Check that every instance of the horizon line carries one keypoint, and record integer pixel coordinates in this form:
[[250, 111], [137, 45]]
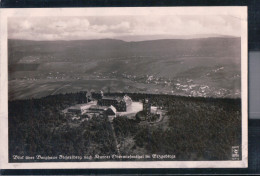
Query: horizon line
[[118, 39]]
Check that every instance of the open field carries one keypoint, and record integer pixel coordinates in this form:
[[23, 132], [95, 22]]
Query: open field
[[208, 67], [25, 89]]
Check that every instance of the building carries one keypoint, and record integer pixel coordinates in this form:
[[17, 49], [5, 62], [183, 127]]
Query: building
[[89, 96], [147, 107], [107, 101], [120, 103], [98, 95], [117, 102], [111, 110], [111, 113], [128, 100], [94, 110], [78, 109], [97, 108]]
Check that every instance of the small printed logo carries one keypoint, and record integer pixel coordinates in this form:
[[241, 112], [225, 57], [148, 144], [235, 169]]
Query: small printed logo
[[235, 152]]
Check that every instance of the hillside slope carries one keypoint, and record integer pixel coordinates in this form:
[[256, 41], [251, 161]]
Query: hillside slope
[[193, 67]]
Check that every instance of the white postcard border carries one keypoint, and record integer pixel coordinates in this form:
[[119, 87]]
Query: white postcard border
[[238, 12]]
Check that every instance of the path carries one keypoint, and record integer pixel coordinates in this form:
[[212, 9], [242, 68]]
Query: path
[[114, 135]]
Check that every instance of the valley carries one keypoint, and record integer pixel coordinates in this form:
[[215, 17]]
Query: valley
[[123, 67]]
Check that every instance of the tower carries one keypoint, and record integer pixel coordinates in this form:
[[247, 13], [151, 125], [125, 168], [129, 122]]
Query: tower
[[147, 108], [89, 96], [101, 94]]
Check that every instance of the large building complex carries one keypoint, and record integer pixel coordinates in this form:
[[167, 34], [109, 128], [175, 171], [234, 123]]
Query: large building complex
[[98, 104], [112, 106], [120, 103]]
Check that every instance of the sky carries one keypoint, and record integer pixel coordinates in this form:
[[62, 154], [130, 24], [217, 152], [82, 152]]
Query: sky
[[118, 27]]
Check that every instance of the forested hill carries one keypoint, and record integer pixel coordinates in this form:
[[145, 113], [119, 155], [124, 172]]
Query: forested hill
[[80, 50], [192, 129]]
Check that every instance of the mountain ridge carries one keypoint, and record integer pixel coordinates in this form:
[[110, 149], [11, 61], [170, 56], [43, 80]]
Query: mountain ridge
[[121, 40], [193, 67]]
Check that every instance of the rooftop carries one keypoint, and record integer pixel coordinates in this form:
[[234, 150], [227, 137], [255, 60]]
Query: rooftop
[[97, 107], [112, 108], [83, 106], [112, 98]]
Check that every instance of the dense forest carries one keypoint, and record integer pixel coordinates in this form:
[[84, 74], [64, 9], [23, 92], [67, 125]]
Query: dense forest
[[193, 128]]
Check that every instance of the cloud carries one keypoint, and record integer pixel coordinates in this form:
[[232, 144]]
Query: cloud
[[74, 28], [122, 27], [25, 25]]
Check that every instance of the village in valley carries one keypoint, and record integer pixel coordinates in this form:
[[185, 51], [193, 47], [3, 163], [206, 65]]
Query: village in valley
[[99, 104]]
